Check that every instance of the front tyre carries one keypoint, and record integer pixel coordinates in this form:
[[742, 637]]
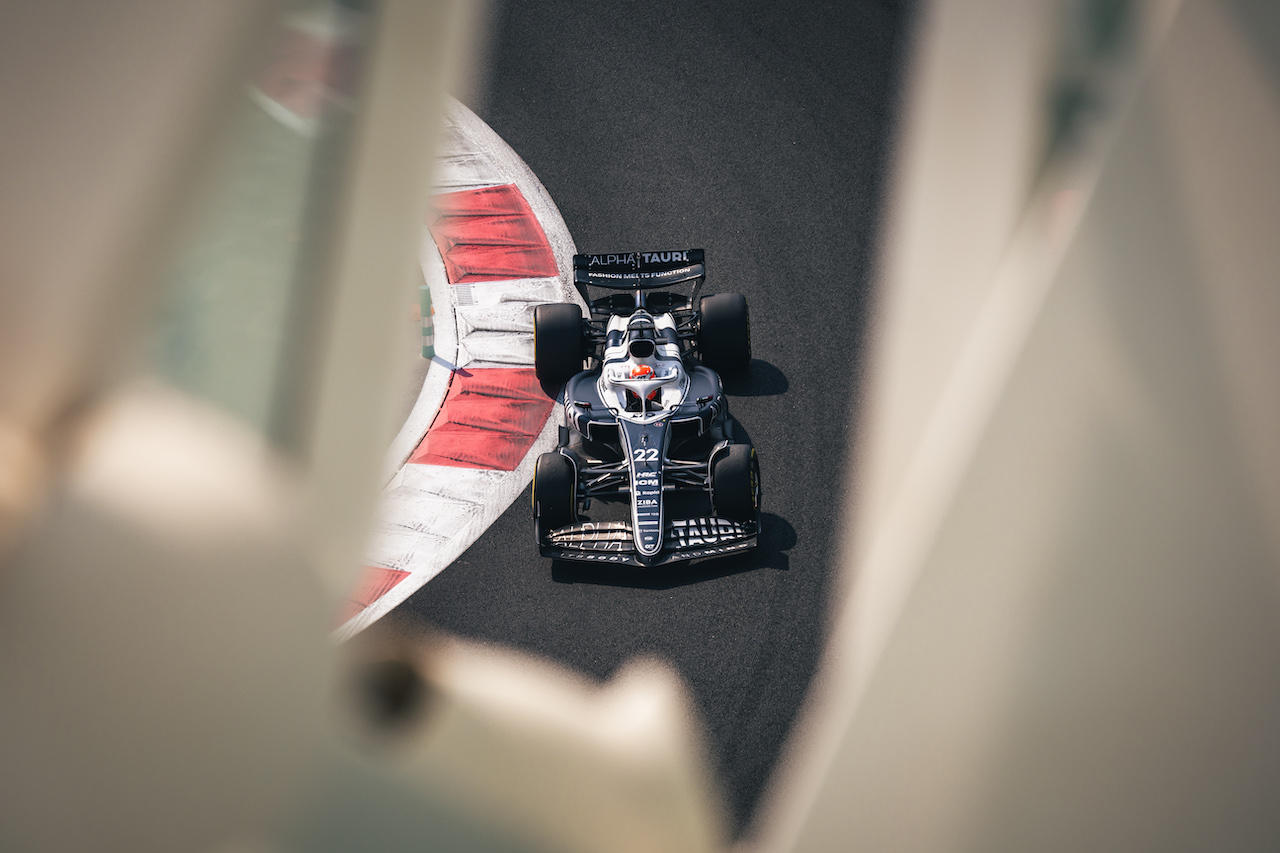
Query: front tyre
[[724, 332], [555, 493], [557, 341], [735, 483]]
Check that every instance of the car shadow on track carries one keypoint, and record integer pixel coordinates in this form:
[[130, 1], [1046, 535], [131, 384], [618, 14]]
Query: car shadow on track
[[777, 536], [760, 379]]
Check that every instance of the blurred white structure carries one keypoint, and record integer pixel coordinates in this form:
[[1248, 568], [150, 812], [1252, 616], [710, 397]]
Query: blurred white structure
[[1062, 598], [168, 573]]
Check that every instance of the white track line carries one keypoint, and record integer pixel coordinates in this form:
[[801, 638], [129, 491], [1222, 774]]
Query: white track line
[[429, 515]]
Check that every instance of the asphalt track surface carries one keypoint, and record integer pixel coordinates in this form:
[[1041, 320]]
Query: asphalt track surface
[[761, 132]]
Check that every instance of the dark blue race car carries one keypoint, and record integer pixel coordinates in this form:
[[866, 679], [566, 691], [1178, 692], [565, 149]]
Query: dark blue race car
[[649, 446]]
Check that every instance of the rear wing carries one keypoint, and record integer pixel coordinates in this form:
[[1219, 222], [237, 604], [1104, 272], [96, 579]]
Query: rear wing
[[637, 270]]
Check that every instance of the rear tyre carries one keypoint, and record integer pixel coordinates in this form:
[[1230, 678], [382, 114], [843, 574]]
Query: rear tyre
[[557, 341], [555, 487], [724, 333], [735, 483]]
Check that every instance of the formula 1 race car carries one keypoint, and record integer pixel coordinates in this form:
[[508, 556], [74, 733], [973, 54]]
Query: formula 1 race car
[[650, 441]]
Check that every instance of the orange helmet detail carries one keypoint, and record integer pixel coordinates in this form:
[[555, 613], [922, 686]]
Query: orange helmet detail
[[641, 371]]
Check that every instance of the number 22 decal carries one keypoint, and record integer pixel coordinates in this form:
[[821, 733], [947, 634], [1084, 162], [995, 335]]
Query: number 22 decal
[[641, 454]]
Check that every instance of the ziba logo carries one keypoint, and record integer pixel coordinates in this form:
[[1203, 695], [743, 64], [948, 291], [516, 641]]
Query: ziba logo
[[664, 257]]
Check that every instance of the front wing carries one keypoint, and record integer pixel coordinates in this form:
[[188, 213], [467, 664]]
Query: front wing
[[685, 539]]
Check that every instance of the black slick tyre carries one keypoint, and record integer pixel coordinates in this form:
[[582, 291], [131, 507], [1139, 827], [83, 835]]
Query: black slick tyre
[[555, 489], [735, 483], [724, 332], [557, 341]]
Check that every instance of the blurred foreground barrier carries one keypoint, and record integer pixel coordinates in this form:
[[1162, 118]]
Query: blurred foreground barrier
[[1061, 602]]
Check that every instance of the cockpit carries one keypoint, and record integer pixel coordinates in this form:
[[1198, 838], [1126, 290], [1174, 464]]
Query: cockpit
[[643, 375]]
